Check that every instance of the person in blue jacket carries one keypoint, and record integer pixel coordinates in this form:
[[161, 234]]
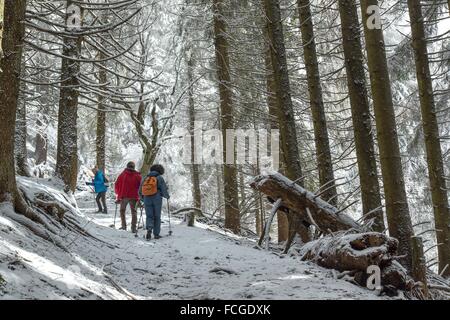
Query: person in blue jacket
[[153, 204], [100, 188]]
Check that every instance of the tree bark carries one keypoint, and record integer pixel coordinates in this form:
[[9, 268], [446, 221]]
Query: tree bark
[[10, 66], [362, 124], [431, 132], [21, 153], [323, 153], [283, 101], [284, 110], [2, 4], [40, 153], [41, 139], [419, 266], [67, 158], [282, 220], [195, 170], [101, 121], [231, 195], [397, 211]]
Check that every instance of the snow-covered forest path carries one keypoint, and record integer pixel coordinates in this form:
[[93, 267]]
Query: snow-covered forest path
[[182, 266], [195, 263]]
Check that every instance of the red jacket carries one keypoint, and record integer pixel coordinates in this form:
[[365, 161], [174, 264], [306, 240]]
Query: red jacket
[[127, 185]]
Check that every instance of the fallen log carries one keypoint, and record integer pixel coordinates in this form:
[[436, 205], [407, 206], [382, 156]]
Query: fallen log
[[309, 206], [355, 252]]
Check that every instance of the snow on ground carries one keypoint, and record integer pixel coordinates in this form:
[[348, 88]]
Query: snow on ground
[[176, 267]]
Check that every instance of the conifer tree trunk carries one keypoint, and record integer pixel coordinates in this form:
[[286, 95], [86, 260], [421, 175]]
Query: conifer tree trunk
[[10, 65], [101, 120], [40, 153], [41, 139], [257, 195], [67, 158], [324, 160], [2, 4], [21, 153], [431, 132], [284, 110], [282, 220], [220, 192], [231, 196], [397, 211], [362, 124], [290, 157], [195, 170], [242, 187]]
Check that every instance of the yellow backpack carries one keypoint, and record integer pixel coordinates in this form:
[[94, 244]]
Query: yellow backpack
[[150, 186]]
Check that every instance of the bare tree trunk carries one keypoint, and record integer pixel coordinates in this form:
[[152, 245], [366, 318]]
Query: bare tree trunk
[[67, 158], [397, 211], [41, 139], [40, 153], [419, 266], [431, 132], [100, 141], [101, 121], [220, 192], [285, 112], [10, 66], [232, 214], [282, 221], [21, 154], [362, 124], [242, 187], [284, 108], [195, 170], [324, 160], [2, 5]]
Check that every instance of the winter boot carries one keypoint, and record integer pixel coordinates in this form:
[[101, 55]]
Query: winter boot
[[157, 237], [149, 235]]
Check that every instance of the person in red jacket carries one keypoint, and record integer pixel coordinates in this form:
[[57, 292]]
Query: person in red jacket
[[127, 192]]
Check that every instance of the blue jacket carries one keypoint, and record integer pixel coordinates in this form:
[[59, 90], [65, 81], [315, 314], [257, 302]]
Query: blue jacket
[[99, 182], [162, 188]]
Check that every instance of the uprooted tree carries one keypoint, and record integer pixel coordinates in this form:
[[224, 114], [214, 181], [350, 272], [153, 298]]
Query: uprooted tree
[[346, 245]]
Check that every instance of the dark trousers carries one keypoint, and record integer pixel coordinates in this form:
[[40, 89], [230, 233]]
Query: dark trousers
[[123, 208], [153, 206], [101, 196]]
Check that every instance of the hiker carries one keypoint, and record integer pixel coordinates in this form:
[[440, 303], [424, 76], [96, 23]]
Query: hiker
[[152, 190], [127, 192], [100, 187]]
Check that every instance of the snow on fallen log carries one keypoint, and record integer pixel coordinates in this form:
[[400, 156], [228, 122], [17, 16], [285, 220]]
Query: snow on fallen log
[[355, 251], [305, 203]]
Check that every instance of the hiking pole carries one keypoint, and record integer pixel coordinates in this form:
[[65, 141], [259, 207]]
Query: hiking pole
[[168, 210], [139, 223], [115, 215]]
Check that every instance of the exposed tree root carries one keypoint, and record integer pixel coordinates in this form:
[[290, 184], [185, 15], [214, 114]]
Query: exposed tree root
[[36, 229], [45, 217]]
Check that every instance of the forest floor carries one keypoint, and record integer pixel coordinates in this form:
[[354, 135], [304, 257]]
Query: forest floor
[[194, 263]]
